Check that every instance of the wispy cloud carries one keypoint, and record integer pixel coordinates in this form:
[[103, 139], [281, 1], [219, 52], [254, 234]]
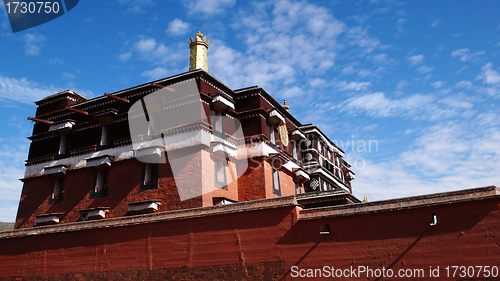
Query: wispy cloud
[[464, 84], [207, 8], [425, 69], [32, 41], [465, 55], [378, 105], [438, 84], [417, 59], [435, 23], [136, 6], [449, 155], [23, 90], [352, 86], [157, 73], [13, 152], [359, 36], [417, 106], [125, 56], [280, 46], [56, 61]]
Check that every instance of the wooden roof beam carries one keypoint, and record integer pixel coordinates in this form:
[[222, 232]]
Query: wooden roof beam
[[118, 98]]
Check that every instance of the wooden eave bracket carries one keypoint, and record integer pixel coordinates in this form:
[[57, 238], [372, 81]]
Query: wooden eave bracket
[[164, 87], [117, 98], [40, 120], [77, 110]]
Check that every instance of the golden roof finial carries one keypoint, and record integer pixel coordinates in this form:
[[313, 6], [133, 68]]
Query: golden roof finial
[[285, 106], [365, 199], [199, 48]]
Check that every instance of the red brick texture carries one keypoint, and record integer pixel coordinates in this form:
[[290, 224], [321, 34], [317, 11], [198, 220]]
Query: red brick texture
[[124, 178]]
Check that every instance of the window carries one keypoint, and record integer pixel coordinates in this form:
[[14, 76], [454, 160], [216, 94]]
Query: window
[[295, 153], [100, 185], [106, 135], [272, 134], [62, 145], [149, 176], [150, 126], [297, 187], [220, 173], [276, 182], [218, 124], [57, 191], [106, 140]]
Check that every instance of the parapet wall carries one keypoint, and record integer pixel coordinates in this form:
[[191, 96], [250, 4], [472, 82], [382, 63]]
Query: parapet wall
[[270, 239]]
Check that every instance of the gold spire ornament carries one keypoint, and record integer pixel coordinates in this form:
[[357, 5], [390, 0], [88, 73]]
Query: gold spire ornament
[[365, 200], [285, 106], [199, 48]]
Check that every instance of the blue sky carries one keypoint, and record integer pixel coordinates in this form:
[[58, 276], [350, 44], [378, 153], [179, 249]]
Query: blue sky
[[421, 79]]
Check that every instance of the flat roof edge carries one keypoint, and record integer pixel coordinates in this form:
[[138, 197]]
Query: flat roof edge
[[451, 197], [255, 205]]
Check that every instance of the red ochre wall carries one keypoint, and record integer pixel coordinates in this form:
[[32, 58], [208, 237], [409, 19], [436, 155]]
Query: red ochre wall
[[262, 245]]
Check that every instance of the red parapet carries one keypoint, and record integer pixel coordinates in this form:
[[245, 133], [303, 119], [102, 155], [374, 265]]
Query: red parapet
[[40, 120], [118, 98]]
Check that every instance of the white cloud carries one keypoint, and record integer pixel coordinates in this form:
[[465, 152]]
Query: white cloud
[[157, 73], [68, 76], [489, 75], [425, 69], [381, 58], [291, 92], [450, 155], [435, 23], [136, 6], [378, 105], [349, 70], [359, 36], [177, 27], [417, 106], [125, 56], [465, 84], [207, 8], [352, 86], [399, 25], [465, 55], [13, 152], [365, 73], [56, 61], [280, 46], [146, 45], [417, 59], [31, 41], [158, 54], [23, 90], [317, 82], [460, 53], [438, 84]]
